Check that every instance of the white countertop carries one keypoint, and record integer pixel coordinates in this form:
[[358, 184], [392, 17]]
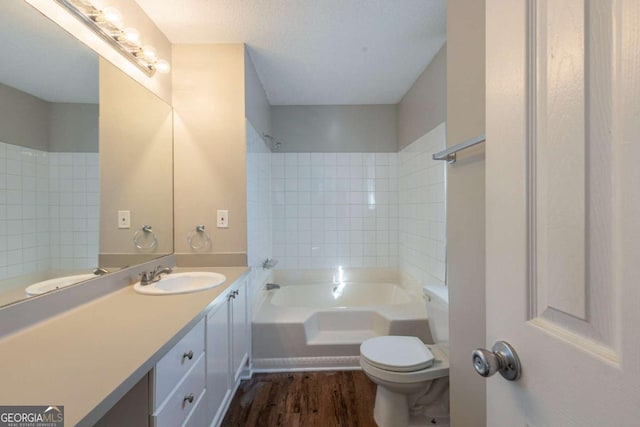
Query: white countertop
[[87, 358]]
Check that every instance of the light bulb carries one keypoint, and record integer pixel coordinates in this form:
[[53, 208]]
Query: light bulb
[[112, 16], [162, 66], [149, 53], [132, 36]]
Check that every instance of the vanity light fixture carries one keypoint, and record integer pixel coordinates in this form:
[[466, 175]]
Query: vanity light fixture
[[107, 22]]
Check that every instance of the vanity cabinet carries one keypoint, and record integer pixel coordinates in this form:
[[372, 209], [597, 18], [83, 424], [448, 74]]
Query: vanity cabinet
[[218, 383], [239, 321], [193, 383], [227, 349], [178, 381]]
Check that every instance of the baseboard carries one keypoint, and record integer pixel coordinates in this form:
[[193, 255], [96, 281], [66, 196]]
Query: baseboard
[[293, 364]]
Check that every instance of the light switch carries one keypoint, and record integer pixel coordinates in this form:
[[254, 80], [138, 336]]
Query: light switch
[[124, 219], [223, 219]]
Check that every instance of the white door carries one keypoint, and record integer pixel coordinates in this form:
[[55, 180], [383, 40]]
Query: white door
[[563, 210]]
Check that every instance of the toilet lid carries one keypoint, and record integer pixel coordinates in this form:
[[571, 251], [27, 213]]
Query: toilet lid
[[397, 353]]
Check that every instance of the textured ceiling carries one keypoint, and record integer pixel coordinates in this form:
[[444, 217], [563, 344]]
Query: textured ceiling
[[317, 52], [41, 59]]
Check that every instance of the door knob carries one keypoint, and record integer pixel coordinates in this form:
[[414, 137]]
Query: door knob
[[502, 358]]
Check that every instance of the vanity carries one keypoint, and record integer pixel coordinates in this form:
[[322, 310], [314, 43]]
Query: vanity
[[192, 349]]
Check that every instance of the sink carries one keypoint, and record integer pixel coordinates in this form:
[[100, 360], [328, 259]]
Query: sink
[[57, 283], [182, 283]]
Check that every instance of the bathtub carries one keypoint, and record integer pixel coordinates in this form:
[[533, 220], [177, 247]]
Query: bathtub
[[321, 326]]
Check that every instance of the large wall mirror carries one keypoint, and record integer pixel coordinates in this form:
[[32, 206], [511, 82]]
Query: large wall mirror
[[79, 142]]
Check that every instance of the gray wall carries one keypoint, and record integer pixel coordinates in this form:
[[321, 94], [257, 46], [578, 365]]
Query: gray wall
[[210, 133], [335, 128], [55, 127], [257, 107], [424, 106], [136, 163], [73, 128], [24, 119], [465, 208]]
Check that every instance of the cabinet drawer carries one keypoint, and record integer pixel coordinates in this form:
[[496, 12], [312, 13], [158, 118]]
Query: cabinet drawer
[[174, 365], [175, 410], [198, 416]]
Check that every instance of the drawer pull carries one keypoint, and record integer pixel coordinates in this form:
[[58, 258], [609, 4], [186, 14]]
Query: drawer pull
[[187, 355], [188, 398]]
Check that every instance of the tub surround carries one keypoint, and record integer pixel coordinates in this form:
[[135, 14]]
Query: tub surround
[[333, 209], [51, 210], [422, 208], [96, 352]]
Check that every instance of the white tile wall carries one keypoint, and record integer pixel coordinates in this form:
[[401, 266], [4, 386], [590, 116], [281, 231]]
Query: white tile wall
[[73, 209], [350, 209], [422, 206], [259, 230], [332, 209], [24, 245], [48, 210]]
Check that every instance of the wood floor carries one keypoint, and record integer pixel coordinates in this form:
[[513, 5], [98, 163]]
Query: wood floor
[[304, 399]]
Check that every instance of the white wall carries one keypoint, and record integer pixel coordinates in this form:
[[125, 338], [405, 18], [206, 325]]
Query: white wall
[[422, 206], [335, 128], [332, 209]]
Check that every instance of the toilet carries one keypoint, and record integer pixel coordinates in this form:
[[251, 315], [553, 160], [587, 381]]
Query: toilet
[[412, 377]]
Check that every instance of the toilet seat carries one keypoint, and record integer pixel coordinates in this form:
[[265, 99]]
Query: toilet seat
[[438, 369], [396, 353]]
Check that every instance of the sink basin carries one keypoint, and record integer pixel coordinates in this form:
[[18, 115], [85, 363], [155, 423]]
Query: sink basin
[[57, 283], [181, 283]]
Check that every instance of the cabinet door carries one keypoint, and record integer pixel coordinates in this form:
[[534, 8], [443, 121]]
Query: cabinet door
[[239, 331], [217, 342]]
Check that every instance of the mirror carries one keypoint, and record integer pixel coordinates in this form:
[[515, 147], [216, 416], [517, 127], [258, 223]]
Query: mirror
[[136, 171], [75, 148]]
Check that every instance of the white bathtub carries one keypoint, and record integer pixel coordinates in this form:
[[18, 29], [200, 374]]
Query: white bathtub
[[317, 326]]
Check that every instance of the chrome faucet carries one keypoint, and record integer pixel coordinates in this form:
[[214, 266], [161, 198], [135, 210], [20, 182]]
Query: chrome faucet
[[149, 277], [100, 271], [269, 263], [162, 270]]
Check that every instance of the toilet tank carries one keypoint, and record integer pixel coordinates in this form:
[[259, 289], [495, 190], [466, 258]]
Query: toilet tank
[[437, 300]]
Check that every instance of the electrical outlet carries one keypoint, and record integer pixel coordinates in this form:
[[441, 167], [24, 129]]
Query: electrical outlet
[[223, 219], [124, 219]]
